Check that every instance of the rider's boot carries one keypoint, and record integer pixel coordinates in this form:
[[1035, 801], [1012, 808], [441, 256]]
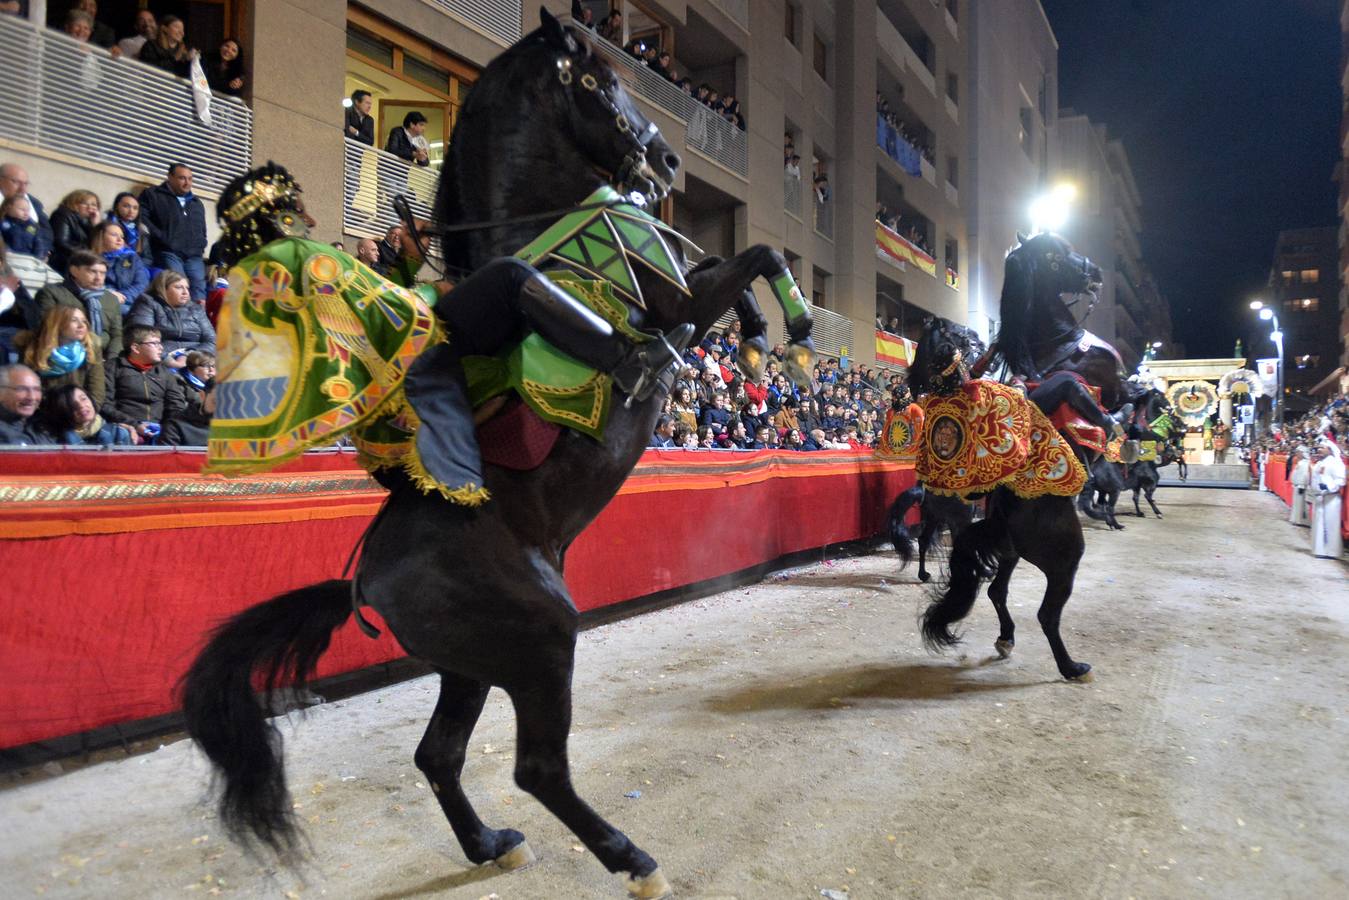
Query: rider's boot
[[1119, 417], [639, 369]]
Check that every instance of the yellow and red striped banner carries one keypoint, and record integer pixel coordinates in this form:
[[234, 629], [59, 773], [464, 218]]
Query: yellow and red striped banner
[[898, 248], [894, 350]]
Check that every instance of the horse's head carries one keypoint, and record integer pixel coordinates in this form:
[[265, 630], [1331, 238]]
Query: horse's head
[[546, 123], [1037, 272], [945, 352]]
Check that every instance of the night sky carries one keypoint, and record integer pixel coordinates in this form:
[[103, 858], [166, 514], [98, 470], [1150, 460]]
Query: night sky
[[1229, 111]]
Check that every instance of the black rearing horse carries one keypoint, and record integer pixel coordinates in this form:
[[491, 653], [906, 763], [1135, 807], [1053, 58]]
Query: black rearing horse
[[1045, 531], [478, 593], [1038, 333]]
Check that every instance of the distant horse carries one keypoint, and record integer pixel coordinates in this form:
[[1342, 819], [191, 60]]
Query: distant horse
[[478, 592], [1045, 531], [1039, 333], [1152, 421]]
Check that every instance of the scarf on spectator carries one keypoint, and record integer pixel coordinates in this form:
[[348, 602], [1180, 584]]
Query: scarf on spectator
[[130, 229], [90, 428], [64, 360], [93, 305], [193, 379], [113, 255]]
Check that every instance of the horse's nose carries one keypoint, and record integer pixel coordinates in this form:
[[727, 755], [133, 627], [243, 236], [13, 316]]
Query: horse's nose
[[671, 160]]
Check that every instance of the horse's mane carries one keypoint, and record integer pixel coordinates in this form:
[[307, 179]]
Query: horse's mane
[[1012, 346], [492, 92]]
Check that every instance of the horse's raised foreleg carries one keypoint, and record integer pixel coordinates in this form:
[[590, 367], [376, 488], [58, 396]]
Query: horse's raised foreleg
[[716, 287], [543, 716], [441, 757], [997, 592]]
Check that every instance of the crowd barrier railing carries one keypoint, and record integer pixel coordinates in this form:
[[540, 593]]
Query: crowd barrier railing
[[120, 563]]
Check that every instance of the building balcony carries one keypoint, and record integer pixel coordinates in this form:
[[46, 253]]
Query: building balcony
[[929, 171], [371, 179], [824, 216], [952, 195], [901, 54], [709, 135], [952, 109], [72, 101], [951, 24]]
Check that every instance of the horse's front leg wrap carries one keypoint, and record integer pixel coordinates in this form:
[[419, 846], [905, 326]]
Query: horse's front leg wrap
[[752, 357], [801, 351]]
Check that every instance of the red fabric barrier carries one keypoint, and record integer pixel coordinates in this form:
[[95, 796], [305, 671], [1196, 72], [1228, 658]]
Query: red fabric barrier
[[1276, 478], [100, 620]]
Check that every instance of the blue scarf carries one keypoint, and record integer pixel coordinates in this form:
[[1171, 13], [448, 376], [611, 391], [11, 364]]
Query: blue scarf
[[192, 379], [93, 307], [131, 230], [64, 360]]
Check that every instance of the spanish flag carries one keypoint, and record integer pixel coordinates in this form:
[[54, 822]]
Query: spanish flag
[[893, 350]]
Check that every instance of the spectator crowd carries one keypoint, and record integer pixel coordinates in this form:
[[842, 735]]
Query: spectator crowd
[[159, 41], [711, 407], [648, 52], [115, 346], [903, 131]]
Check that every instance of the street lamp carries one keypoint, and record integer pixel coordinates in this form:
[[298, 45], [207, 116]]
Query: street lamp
[[1049, 211], [1267, 314]]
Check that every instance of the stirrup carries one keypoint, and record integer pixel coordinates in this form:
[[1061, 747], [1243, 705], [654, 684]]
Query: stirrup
[[657, 362]]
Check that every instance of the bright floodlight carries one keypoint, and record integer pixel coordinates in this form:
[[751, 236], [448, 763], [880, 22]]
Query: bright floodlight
[[1157, 345], [346, 102], [1266, 314], [1256, 304], [1049, 211]]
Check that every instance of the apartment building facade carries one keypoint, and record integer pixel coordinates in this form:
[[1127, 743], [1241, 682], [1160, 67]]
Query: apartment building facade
[[1130, 311], [1304, 290], [1012, 106]]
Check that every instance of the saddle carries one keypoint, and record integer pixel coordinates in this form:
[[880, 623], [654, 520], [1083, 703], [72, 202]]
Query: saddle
[[987, 435]]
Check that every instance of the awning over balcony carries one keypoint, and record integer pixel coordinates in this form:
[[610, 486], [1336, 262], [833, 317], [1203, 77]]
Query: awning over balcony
[[890, 245]]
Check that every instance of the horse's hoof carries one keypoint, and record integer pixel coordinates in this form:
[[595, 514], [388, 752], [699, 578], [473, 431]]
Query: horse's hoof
[[1004, 648], [1081, 673], [924, 577], [652, 886], [518, 857], [1159, 515]]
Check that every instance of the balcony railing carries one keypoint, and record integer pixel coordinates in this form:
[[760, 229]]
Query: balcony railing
[[708, 133], [832, 332], [371, 179], [824, 216], [929, 171], [791, 194], [61, 96], [952, 195]]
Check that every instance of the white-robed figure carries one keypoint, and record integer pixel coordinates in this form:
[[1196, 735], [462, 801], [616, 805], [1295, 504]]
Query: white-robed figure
[[1327, 484], [1263, 457], [1300, 478]]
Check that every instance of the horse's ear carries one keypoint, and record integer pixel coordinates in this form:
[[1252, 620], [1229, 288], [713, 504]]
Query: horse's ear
[[556, 32], [1021, 237]]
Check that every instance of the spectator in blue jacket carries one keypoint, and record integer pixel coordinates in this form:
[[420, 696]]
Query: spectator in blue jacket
[[128, 277], [718, 415], [177, 225], [14, 181], [126, 211], [19, 232]]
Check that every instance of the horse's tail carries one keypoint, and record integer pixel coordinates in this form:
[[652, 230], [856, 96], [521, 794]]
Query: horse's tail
[[278, 641], [897, 530], [974, 558]]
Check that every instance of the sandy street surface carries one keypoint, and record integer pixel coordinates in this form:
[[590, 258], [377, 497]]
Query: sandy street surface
[[795, 736]]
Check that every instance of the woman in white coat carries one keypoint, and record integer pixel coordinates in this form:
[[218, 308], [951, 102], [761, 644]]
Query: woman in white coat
[[1327, 485], [1301, 476]]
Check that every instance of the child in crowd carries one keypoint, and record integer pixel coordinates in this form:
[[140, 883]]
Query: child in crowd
[[20, 234]]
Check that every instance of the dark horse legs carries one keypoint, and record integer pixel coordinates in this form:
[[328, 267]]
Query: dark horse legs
[[441, 757], [1047, 534], [997, 592]]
